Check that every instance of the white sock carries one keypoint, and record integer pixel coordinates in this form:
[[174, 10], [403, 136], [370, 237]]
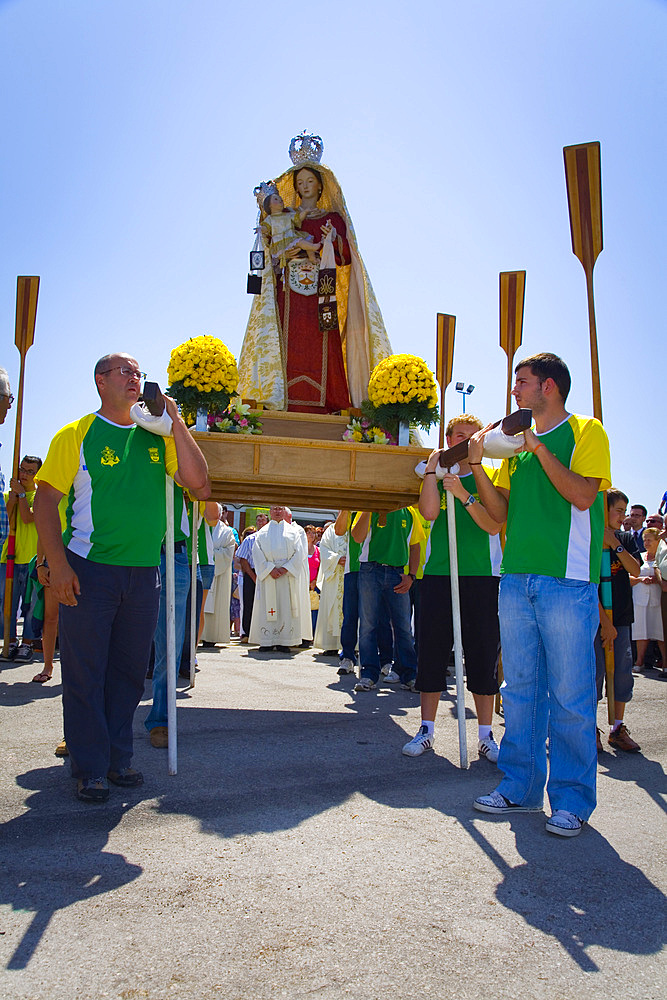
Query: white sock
[[429, 725], [484, 732], [617, 723]]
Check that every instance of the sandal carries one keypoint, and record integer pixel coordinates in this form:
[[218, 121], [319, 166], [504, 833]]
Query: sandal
[[42, 678]]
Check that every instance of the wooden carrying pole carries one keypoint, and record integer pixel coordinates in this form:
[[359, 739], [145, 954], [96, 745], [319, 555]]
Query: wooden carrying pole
[[27, 290], [444, 357], [583, 177], [444, 362], [512, 297]]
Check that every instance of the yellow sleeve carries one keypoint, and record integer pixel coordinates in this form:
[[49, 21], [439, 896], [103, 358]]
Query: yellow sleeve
[[417, 535], [591, 451], [170, 456], [64, 455], [502, 479]]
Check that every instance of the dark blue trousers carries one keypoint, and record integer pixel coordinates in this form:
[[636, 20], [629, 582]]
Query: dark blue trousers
[[350, 626], [105, 643]]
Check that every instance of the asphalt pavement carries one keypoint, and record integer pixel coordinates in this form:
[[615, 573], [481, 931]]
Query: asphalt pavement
[[298, 854]]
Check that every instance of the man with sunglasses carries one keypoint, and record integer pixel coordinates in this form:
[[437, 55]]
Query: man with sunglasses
[[104, 569]]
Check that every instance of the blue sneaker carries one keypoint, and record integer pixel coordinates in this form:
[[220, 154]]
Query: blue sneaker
[[497, 803]]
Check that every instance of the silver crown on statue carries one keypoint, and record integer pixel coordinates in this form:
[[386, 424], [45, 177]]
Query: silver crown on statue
[[263, 190], [306, 148]]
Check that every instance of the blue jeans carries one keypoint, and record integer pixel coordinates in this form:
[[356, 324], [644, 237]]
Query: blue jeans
[[376, 588], [105, 641], [18, 593], [158, 713], [547, 628], [350, 627]]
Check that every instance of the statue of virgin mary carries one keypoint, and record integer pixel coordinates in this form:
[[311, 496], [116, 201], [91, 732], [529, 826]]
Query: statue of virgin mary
[[301, 351]]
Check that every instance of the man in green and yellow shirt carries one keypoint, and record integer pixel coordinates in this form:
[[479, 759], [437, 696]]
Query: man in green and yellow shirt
[[550, 495], [104, 568]]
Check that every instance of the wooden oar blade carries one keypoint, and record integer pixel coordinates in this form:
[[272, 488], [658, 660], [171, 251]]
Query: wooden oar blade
[[512, 296], [27, 290], [583, 177], [444, 349]]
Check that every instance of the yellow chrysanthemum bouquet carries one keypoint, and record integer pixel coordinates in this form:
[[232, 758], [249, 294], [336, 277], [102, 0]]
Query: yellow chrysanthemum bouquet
[[401, 389], [202, 374]]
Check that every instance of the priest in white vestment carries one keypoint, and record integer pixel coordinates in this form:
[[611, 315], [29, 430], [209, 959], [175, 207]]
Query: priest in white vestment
[[278, 555], [330, 584], [216, 606], [304, 585]]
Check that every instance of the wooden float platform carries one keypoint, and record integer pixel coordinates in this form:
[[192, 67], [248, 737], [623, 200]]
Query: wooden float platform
[[318, 471]]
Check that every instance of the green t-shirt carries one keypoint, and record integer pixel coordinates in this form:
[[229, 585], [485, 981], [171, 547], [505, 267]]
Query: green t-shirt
[[205, 556], [114, 478], [390, 543], [546, 534], [181, 522], [478, 553]]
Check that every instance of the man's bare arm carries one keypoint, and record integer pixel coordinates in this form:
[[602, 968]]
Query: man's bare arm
[[578, 490], [340, 524], [493, 499], [360, 529], [192, 471], [63, 580]]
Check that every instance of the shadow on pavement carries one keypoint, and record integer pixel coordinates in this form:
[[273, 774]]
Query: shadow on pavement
[[581, 893], [647, 774], [245, 771], [58, 861]]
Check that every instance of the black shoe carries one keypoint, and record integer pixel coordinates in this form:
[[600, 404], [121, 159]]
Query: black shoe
[[282, 649], [265, 649], [306, 644], [330, 652], [92, 789], [205, 644], [126, 777]]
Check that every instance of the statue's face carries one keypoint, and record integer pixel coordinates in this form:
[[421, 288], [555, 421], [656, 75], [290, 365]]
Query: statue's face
[[307, 184]]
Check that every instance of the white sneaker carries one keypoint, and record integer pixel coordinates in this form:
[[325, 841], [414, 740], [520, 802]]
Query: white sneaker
[[391, 677], [419, 744], [346, 666], [564, 824], [364, 684], [489, 748], [387, 668]]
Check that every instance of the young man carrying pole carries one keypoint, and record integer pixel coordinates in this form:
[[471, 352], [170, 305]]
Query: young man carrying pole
[[548, 605]]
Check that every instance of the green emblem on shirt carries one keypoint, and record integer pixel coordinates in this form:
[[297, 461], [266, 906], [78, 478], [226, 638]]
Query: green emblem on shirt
[[109, 457]]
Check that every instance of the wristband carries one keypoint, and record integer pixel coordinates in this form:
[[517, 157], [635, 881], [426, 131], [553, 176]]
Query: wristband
[[540, 445], [413, 576], [430, 473], [474, 463]]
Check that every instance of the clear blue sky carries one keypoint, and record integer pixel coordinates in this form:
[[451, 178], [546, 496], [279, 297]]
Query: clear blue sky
[[135, 130]]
